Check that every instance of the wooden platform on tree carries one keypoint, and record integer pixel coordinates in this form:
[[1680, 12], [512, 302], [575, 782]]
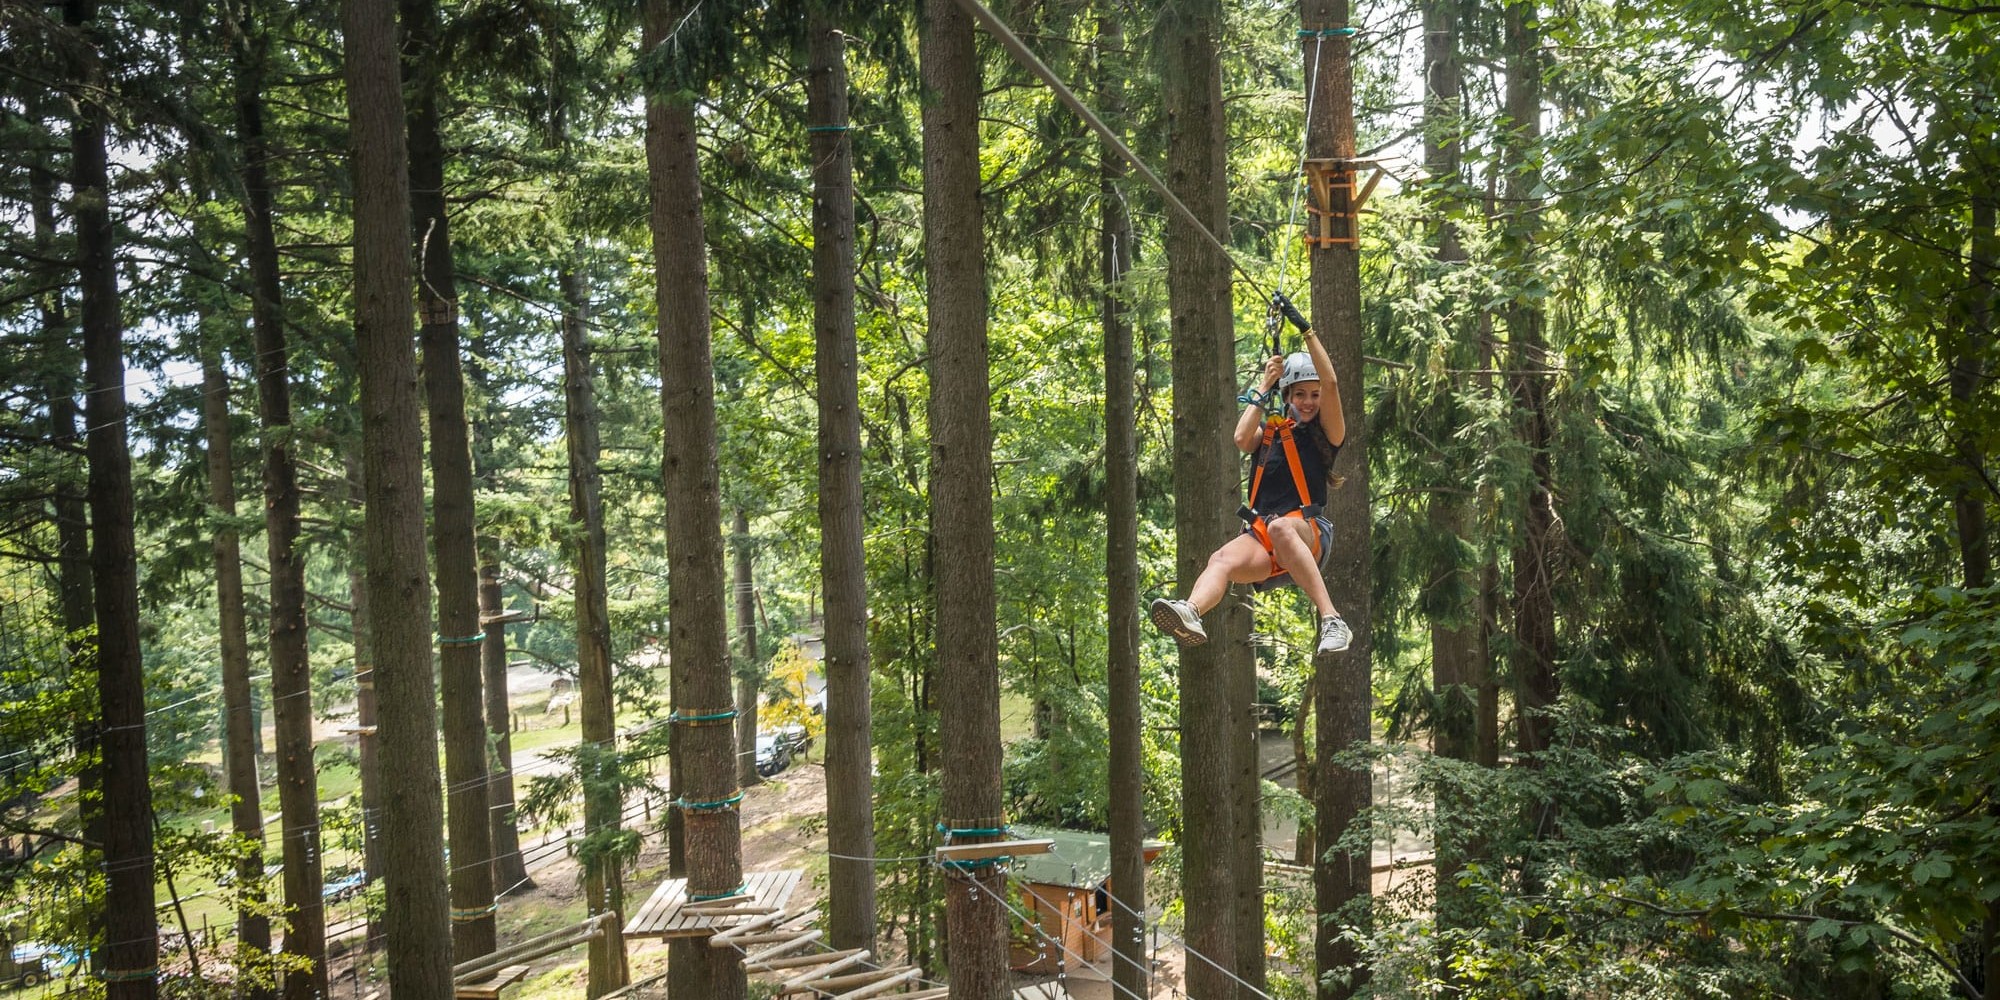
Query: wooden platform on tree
[[490, 987], [665, 914]]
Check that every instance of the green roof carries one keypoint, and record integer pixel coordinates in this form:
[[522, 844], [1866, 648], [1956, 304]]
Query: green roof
[[1080, 860]]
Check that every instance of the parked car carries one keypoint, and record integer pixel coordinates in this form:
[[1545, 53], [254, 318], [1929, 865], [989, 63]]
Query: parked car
[[776, 748], [26, 965], [343, 887]]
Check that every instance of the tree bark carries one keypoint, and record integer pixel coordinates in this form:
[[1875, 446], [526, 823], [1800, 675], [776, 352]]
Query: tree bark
[[246, 813], [850, 793], [747, 673], [1131, 972], [291, 671], [698, 640], [961, 499], [1969, 371], [76, 596], [417, 921], [510, 870], [1341, 794], [131, 928], [603, 808], [1534, 601], [365, 716], [1205, 479], [1453, 605], [456, 575], [1303, 843]]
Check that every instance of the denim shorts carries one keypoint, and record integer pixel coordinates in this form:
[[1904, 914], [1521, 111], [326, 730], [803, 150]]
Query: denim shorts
[[1325, 533]]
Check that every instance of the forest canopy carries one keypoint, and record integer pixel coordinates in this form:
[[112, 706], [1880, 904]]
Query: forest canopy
[[454, 448]]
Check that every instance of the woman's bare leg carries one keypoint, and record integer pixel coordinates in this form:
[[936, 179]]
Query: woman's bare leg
[[1289, 539], [1240, 561]]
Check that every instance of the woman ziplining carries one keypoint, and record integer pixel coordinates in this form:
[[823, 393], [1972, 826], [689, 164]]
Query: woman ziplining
[[1286, 534]]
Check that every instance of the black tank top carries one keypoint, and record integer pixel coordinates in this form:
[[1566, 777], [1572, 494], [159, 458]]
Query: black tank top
[[1277, 495]]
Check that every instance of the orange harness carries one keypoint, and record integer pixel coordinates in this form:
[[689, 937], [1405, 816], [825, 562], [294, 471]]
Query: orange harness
[[1280, 428]]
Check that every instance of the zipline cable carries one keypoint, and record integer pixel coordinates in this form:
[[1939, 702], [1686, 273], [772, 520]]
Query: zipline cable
[[1027, 58]]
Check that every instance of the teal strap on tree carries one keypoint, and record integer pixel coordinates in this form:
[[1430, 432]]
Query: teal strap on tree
[[462, 640], [717, 804], [976, 864], [476, 913], [128, 975], [703, 718], [826, 128], [990, 831], [706, 897], [1341, 32]]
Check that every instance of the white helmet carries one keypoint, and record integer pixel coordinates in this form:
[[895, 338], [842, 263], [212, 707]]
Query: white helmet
[[1298, 368]]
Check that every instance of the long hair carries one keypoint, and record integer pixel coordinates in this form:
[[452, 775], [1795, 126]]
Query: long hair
[[1317, 434]]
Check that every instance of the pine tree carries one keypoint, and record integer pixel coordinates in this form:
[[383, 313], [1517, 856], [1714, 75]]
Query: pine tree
[[850, 798], [699, 641], [417, 923], [131, 928], [246, 814], [748, 673], [1342, 794], [456, 576], [291, 672], [603, 810], [1131, 969], [1204, 485], [968, 696]]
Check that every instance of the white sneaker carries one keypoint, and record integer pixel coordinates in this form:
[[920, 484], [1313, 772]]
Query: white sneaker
[[1178, 619], [1334, 635]]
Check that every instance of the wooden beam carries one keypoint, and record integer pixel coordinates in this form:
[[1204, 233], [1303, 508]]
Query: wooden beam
[[772, 919], [994, 849], [882, 987], [793, 935], [849, 981], [799, 982], [786, 942], [797, 961]]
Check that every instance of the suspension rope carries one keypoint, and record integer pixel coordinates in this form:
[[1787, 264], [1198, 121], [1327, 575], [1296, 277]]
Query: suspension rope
[[1033, 63], [1299, 177]]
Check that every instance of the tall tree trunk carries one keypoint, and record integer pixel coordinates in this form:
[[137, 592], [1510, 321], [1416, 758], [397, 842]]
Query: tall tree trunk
[[698, 643], [456, 574], [1247, 792], [130, 953], [1971, 354], [1304, 841], [1342, 794], [603, 807], [961, 497], [417, 920], [1204, 365], [291, 673], [1131, 972], [365, 717], [76, 597], [1534, 607], [246, 813], [850, 793], [510, 870], [748, 676], [1453, 603], [1969, 371]]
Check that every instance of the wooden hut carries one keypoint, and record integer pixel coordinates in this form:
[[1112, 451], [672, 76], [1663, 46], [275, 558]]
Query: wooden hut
[[1067, 894]]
